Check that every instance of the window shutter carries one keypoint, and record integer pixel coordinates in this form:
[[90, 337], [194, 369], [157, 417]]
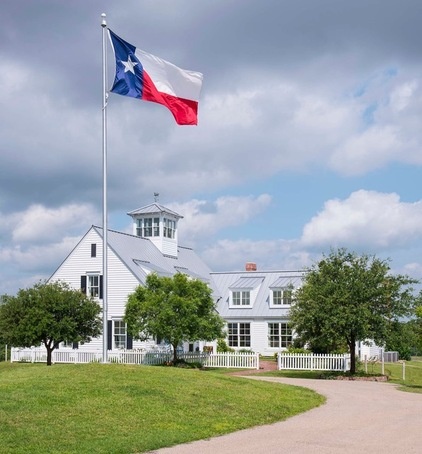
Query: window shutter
[[129, 342], [101, 287], [109, 334], [83, 284]]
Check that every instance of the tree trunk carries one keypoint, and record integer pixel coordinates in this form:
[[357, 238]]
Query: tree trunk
[[174, 354], [352, 349], [49, 355]]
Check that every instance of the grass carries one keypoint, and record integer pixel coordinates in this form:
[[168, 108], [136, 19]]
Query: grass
[[121, 409], [394, 371]]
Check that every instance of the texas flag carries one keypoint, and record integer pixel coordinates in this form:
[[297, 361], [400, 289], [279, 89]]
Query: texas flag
[[147, 77]]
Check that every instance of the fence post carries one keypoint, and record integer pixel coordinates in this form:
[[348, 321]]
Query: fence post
[[382, 363], [404, 370]]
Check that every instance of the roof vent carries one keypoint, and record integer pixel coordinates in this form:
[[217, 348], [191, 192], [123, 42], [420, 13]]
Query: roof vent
[[250, 266]]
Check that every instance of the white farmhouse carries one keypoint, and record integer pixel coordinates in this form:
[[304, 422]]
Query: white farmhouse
[[254, 304]]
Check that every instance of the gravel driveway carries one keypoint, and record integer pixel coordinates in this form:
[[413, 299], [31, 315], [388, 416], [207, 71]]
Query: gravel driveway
[[358, 417]]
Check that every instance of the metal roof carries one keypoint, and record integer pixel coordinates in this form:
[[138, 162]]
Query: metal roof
[[283, 282], [141, 256], [154, 208], [260, 308], [247, 283]]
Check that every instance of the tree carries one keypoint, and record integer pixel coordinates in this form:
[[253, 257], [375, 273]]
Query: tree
[[175, 309], [347, 298], [403, 339], [49, 313]]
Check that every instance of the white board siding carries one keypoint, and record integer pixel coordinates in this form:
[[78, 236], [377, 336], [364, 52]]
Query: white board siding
[[120, 279], [80, 259], [121, 282]]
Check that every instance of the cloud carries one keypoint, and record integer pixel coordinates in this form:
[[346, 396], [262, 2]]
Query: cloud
[[41, 224], [275, 254], [366, 219], [36, 240], [202, 219]]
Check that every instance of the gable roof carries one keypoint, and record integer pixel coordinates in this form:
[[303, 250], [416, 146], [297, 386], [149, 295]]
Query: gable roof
[[263, 282]]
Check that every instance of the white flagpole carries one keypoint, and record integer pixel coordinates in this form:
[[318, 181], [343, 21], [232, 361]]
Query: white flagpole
[[105, 243]]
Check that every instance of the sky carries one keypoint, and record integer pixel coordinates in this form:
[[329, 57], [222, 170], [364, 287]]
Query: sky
[[308, 134]]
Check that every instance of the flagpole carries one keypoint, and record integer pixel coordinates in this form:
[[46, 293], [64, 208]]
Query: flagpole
[[105, 242]]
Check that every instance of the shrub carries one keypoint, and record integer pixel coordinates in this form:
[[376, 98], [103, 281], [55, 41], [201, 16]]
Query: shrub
[[222, 346]]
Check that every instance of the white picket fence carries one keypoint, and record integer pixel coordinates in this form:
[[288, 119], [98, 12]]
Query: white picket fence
[[312, 361], [226, 360]]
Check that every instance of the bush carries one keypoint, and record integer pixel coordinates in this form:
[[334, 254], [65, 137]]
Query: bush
[[184, 364], [222, 346]]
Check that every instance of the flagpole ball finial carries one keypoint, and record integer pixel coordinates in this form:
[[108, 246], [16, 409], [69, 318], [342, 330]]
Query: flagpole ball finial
[[103, 20]]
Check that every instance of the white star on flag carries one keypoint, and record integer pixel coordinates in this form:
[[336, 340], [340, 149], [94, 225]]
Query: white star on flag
[[129, 65]]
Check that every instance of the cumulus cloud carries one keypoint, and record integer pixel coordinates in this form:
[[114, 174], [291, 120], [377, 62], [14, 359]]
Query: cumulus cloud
[[202, 218], [274, 254], [284, 96], [36, 240], [365, 218], [41, 224]]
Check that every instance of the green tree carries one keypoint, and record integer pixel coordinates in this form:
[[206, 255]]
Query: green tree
[[402, 339], [49, 313], [417, 327], [174, 308], [3, 344], [347, 298]]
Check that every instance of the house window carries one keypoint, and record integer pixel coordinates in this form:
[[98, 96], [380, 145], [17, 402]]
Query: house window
[[119, 334], [169, 228], [279, 335], [70, 344], [93, 250], [282, 296], [239, 334], [148, 227], [93, 289], [241, 298]]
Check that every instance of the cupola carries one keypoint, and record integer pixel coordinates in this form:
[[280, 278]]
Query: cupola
[[159, 225]]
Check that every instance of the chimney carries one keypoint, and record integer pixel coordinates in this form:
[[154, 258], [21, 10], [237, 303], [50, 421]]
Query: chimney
[[250, 266]]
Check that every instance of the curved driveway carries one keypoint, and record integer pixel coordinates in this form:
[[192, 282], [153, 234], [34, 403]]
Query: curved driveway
[[358, 417]]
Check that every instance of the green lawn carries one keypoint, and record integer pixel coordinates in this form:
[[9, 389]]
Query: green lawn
[[121, 409], [413, 374], [394, 371]]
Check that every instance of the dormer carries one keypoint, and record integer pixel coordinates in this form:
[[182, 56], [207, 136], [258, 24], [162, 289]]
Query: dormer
[[159, 225]]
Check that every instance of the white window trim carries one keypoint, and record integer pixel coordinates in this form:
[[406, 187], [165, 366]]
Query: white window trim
[[241, 291], [88, 286], [283, 289], [113, 335], [238, 335], [280, 336]]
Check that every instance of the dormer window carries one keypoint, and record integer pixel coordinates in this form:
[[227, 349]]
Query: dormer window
[[244, 291], [241, 298], [281, 296]]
